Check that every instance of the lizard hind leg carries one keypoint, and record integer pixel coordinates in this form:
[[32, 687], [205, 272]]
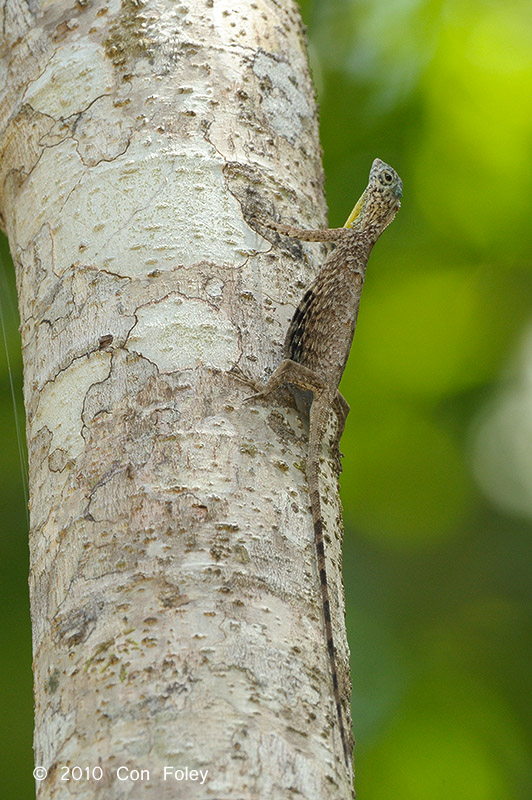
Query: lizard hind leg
[[341, 408], [319, 415], [292, 372]]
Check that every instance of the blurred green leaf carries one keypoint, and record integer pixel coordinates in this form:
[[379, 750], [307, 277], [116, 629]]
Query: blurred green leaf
[[451, 738], [405, 482], [435, 332]]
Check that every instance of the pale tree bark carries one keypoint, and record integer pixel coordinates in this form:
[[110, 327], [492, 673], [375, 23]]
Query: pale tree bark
[[175, 597]]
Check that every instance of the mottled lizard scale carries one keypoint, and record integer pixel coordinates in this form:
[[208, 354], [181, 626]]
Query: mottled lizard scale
[[317, 347], [321, 303]]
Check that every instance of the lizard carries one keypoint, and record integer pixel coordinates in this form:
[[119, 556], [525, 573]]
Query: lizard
[[318, 342]]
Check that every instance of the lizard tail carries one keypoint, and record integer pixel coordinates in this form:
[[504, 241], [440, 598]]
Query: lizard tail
[[315, 504]]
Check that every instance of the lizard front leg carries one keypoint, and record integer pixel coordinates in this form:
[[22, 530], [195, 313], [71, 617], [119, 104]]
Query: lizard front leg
[[312, 235]]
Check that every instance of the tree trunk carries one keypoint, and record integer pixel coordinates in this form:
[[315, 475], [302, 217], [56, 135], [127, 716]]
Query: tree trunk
[[174, 590]]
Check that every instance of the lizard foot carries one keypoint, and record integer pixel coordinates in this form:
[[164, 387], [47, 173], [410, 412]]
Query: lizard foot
[[257, 396], [237, 373]]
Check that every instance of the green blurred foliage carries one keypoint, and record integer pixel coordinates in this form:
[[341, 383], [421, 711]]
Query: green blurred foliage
[[16, 757], [437, 565]]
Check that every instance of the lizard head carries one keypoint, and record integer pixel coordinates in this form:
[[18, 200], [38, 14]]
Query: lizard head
[[379, 203]]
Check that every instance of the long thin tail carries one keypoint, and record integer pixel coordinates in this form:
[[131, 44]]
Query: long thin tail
[[316, 426]]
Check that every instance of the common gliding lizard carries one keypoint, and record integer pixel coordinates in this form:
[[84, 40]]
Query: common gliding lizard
[[319, 339]]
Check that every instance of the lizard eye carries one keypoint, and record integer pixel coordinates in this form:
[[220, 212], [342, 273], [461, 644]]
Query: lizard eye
[[387, 177]]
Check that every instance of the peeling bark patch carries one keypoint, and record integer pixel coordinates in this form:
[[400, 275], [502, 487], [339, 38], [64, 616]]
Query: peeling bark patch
[[21, 146], [284, 103], [60, 170], [103, 134], [65, 418], [111, 500], [179, 333], [75, 71]]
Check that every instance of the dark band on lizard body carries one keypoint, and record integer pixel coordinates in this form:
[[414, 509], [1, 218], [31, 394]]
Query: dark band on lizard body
[[318, 342]]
